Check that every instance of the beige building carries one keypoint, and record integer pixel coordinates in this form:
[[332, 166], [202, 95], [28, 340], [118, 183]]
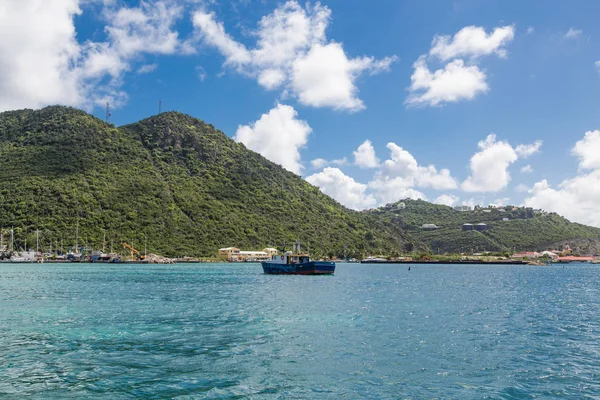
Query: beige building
[[229, 253], [233, 254]]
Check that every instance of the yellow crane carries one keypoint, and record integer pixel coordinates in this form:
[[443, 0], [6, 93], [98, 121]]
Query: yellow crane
[[139, 255]]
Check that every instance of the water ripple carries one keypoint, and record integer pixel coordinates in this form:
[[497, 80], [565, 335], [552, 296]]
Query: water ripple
[[228, 331]]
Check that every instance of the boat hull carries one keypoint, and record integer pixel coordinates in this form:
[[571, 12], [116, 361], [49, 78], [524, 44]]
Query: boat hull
[[310, 268]]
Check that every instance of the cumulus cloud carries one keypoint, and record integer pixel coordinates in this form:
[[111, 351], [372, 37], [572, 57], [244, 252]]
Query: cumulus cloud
[[576, 198], [472, 41], [572, 33], [588, 150], [343, 188], [278, 135], [530, 30], [43, 63], [525, 150], [36, 56], [390, 190], [447, 200], [399, 176], [293, 54], [402, 165], [455, 82], [526, 169], [365, 156], [489, 166]]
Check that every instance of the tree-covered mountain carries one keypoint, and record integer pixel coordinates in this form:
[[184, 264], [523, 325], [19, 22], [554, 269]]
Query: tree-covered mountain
[[171, 181], [185, 188], [510, 228]]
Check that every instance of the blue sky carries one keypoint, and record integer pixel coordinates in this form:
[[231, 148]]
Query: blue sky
[[457, 102]]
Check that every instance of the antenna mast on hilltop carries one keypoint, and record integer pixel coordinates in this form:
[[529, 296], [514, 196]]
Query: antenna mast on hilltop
[[108, 114]]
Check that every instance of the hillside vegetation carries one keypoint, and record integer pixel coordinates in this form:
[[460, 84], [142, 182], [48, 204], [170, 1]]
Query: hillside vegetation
[[170, 181], [525, 229]]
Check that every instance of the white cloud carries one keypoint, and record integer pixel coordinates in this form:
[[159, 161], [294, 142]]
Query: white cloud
[[324, 77], [292, 53], [365, 156], [597, 64], [400, 175], [278, 136], [36, 54], [455, 82], [402, 165], [472, 41], [319, 163], [572, 33], [447, 200], [588, 150], [576, 198], [489, 166], [43, 63], [390, 190], [530, 30], [526, 169], [213, 33], [147, 68], [525, 150], [343, 188]]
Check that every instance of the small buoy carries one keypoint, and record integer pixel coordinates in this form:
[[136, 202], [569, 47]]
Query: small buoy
[[409, 267]]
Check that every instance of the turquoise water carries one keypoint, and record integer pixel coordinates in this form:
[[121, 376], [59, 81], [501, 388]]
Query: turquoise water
[[369, 331]]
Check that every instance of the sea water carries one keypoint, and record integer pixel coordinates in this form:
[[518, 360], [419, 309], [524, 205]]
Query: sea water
[[188, 331]]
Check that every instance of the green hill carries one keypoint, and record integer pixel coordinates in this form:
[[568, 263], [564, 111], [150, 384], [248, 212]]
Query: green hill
[[524, 229], [172, 181]]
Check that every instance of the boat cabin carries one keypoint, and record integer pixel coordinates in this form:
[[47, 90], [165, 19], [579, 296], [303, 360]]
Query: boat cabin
[[290, 258]]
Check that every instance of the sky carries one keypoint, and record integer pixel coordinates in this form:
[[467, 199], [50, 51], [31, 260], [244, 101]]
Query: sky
[[456, 102]]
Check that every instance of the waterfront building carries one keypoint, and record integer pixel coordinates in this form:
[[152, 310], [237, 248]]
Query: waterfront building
[[253, 256], [229, 253], [271, 251]]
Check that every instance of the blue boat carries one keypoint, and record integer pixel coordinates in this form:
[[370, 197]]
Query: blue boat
[[297, 264]]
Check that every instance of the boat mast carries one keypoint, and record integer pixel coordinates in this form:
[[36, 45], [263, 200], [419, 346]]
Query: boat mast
[[37, 241], [77, 237]]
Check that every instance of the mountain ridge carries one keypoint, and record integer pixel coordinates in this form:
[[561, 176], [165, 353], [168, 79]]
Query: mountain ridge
[[171, 180], [183, 187]]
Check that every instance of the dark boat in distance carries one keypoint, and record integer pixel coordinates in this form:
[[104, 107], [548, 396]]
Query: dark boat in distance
[[296, 264]]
